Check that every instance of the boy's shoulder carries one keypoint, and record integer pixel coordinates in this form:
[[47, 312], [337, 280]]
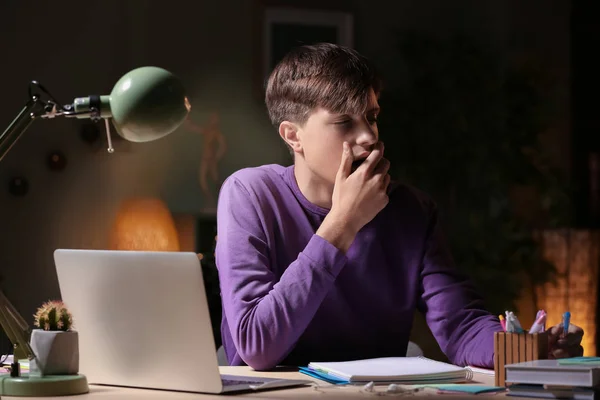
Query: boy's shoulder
[[414, 207], [254, 179], [403, 192]]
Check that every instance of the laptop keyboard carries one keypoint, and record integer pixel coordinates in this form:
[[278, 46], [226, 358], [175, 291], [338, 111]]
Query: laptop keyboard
[[231, 382]]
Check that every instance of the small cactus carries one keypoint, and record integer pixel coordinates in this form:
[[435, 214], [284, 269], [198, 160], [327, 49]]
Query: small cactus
[[53, 316]]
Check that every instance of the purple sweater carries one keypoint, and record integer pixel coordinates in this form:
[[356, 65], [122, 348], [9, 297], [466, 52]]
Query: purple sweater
[[290, 297]]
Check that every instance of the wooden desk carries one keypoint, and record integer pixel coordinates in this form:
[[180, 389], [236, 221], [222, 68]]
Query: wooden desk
[[329, 391]]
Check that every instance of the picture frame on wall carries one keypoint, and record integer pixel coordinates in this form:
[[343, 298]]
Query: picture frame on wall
[[286, 27]]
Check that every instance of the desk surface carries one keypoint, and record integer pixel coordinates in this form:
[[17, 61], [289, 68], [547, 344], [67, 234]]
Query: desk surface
[[328, 391]]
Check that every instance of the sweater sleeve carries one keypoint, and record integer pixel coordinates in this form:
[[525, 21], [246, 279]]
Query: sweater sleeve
[[266, 315], [453, 309]]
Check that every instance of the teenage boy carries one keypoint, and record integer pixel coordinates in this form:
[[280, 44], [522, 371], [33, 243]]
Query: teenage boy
[[328, 259]]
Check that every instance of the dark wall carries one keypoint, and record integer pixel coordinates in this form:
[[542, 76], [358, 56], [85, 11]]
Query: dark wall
[[585, 78]]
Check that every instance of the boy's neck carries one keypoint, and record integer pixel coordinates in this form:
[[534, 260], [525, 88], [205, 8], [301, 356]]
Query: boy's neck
[[314, 188]]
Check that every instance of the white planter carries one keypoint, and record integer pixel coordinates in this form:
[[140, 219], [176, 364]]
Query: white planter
[[57, 352]]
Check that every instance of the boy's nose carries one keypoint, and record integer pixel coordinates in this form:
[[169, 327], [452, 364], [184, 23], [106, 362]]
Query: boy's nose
[[367, 138]]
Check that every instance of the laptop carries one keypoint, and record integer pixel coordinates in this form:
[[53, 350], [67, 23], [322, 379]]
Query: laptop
[[142, 319]]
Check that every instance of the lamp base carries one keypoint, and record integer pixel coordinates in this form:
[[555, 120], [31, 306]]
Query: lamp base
[[43, 386]]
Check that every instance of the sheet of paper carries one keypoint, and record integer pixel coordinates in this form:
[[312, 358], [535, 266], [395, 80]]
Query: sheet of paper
[[484, 371]]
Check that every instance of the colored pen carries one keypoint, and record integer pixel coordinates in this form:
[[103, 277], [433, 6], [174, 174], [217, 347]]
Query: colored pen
[[539, 323], [508, 325], [512, 323], [502, 322], [566, 322]]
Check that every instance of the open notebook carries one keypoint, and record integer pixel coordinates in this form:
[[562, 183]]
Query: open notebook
[[404, 370]]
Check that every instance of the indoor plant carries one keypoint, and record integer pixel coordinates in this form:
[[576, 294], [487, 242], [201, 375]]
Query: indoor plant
[[54, 342]]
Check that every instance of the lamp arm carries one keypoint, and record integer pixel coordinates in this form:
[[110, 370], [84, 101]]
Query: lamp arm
[[19, 125], [16, 328], [91, 107]]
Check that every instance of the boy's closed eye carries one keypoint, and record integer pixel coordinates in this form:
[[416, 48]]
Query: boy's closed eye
[[348, 122], [344, 120]]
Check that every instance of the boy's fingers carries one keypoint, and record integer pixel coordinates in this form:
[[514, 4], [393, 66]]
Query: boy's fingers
[[373, 159], [346, 162], [383, 166], [386, 182]]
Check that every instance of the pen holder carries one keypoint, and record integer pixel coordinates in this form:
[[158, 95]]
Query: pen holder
[[510, 348]]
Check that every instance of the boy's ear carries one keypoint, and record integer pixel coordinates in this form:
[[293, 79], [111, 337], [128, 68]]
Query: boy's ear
[[289, 133]]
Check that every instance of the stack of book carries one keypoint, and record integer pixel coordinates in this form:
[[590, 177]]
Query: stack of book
[[570, 378]]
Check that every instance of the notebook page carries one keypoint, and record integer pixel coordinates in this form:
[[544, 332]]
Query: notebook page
[[415, 367]]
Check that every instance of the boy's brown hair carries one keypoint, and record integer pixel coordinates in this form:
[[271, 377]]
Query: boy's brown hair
[[325, 75]]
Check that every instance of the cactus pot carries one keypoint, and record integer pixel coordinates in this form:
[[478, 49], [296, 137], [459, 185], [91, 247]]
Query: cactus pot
[[57, 352]]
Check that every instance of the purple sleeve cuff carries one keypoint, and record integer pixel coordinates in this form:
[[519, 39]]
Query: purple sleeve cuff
[[319, 252]]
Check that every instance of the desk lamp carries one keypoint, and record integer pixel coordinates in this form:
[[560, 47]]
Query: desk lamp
[[146, 104]]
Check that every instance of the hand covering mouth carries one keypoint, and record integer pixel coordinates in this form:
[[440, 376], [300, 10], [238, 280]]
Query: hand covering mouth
[[357, 163]]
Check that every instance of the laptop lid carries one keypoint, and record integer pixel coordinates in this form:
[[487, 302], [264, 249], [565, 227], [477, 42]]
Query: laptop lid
[[142, 318]]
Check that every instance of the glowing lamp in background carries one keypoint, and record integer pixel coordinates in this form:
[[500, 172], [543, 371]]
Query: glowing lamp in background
[[144, 224]]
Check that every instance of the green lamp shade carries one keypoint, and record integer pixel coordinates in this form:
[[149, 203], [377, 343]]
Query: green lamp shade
[[146, 104]]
